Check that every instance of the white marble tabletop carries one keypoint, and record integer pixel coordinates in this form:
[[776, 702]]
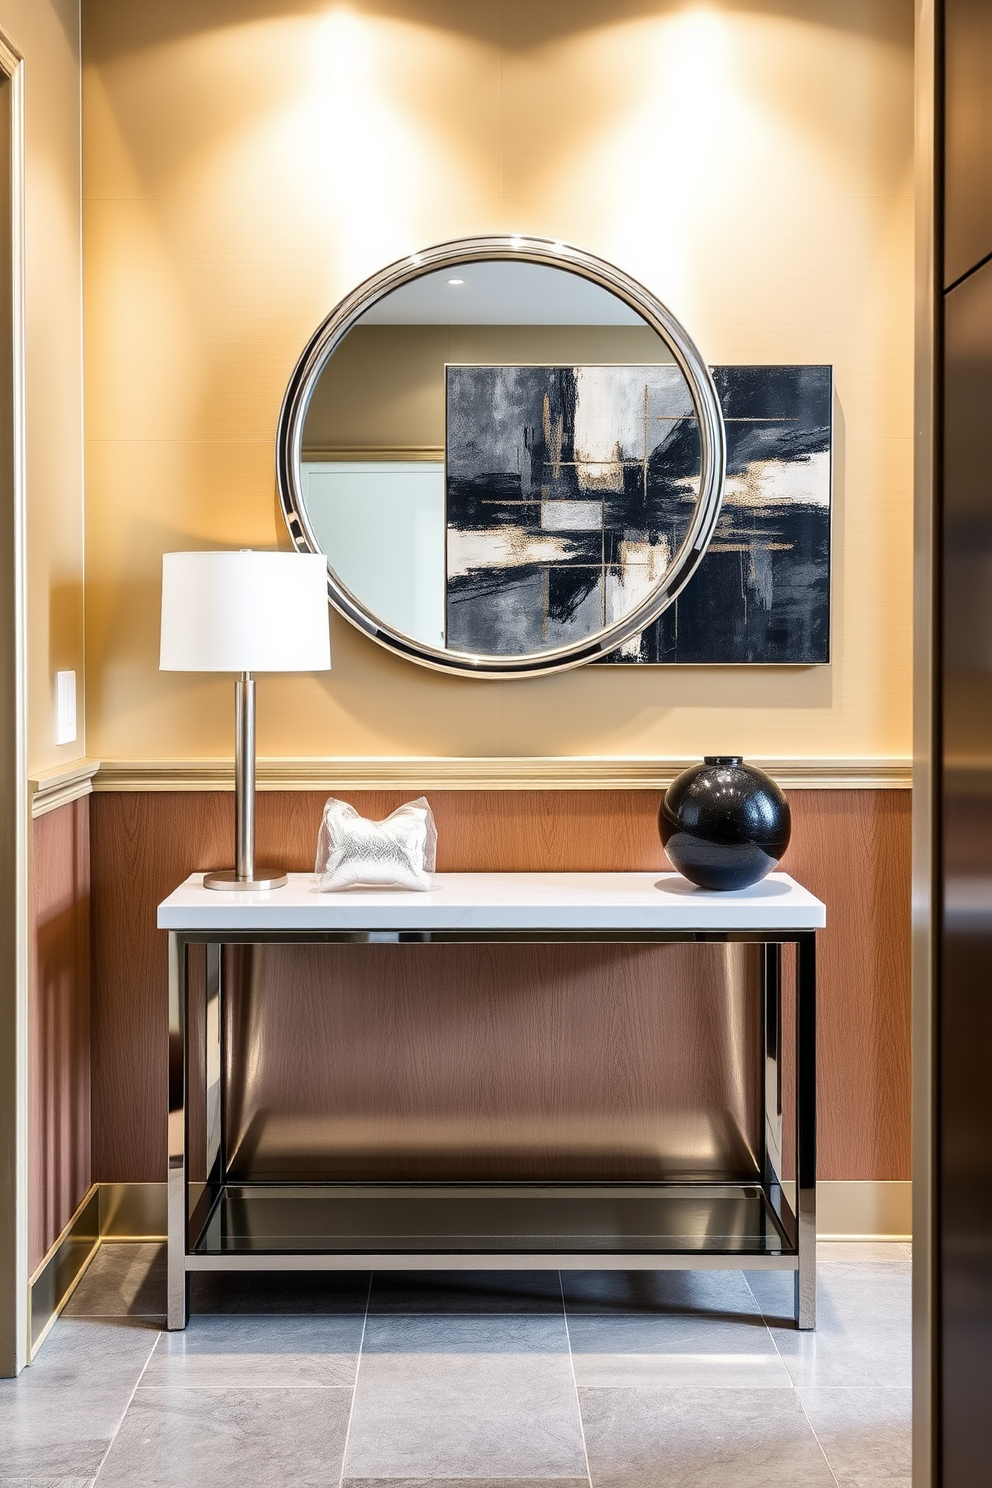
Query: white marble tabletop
[[500, 901]]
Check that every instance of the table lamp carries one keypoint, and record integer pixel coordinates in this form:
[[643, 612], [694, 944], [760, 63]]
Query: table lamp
[[244, 612]]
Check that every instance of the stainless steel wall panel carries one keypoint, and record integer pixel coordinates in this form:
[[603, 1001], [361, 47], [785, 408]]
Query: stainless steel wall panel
[[498, 1063], [964, 1189], [968, 130]]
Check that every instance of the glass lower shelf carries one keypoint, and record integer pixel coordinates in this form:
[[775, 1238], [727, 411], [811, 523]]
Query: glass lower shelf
[[273, 1219]]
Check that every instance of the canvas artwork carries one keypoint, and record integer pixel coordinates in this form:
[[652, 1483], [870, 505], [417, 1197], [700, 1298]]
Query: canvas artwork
[[568, 489]]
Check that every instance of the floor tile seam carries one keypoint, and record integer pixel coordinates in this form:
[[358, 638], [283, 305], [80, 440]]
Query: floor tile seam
[[261, 1317], [823, 1451], [687, 1319], [575, 1383], [111, 1317], [201, 1321], [193, 1385], [700, 1388], [877, 1265], [130, 1400], [768, 1329], [354, 1383], [376, 1316], [860, 1386]]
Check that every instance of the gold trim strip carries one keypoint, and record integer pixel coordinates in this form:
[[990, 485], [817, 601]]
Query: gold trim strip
[[483, 773], [56, 1245], [862, 1209], [50, 789], [63, 1268], [133, 1211]]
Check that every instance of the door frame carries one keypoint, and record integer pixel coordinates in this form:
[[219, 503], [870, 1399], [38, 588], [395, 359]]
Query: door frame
[[14, 799], [926, 756]]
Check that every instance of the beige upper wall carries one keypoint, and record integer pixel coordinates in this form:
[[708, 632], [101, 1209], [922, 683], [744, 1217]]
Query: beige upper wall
[[247, 161], [46, 33]]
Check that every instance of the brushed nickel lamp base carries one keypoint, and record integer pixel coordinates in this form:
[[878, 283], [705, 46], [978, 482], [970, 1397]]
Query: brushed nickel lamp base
[[228, 880]]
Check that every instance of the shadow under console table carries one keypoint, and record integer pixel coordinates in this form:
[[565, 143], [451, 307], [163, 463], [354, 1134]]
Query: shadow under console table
[[222, 1224]]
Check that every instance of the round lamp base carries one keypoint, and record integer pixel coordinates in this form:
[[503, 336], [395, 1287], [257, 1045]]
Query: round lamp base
[[229, 882]]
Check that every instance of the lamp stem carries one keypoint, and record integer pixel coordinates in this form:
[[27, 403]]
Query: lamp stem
[[244, 778], [244, 877]]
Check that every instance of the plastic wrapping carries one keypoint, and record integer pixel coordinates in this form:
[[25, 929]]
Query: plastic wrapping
[[398, 852]]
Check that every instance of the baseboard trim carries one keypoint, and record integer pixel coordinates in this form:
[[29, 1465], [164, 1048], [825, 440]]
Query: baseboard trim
[[871, 1211], [55, 1280], [875, 1210], [109, 1212], [133, 1211]]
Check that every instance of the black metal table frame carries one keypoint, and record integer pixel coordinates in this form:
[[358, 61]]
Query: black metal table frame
[[190, 1205]]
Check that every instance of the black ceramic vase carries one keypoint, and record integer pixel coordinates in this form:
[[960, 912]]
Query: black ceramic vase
[[724, 824]]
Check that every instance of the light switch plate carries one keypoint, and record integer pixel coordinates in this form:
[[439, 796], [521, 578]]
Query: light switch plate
[[65, 707]]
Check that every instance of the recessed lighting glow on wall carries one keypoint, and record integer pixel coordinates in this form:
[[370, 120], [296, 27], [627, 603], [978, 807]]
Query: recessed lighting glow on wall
[[356, 141], [456, 281], [705, 114]]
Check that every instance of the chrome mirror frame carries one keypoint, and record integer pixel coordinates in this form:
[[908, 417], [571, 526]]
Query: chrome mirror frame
[[709, 417]]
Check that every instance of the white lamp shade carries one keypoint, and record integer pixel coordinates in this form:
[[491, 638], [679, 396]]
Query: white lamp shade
[[244, 612]]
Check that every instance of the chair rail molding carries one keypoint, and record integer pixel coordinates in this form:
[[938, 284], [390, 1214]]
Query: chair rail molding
[[53, 788], [494, 772]]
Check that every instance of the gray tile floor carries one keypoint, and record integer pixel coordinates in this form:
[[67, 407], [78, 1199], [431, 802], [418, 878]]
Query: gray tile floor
[[521, 1380]]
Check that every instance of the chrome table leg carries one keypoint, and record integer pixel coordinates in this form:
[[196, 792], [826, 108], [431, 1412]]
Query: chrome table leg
[[806, 1129], [177, 1306], [214, 1107], [772, 1067]]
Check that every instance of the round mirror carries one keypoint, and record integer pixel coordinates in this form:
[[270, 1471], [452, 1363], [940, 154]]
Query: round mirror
[[510, 453]]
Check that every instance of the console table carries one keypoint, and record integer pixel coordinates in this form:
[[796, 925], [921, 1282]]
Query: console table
[[220, 1224]]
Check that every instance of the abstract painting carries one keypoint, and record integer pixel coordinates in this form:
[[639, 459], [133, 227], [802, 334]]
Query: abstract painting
[[569, 488], [564, 497]]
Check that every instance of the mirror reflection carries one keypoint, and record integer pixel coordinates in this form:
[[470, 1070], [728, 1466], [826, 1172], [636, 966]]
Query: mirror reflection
[[500, 458]]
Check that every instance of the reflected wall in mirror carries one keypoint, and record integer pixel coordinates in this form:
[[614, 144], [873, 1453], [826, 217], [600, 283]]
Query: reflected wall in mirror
[[511, 465]]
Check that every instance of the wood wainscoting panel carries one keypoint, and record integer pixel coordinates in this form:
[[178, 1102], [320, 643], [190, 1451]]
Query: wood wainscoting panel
[[58, 1025], [850, 847]]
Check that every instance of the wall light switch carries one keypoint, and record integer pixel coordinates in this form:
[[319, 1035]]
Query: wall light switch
[[65, 707]]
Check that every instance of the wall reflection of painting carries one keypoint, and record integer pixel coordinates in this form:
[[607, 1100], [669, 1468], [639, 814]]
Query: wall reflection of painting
[[569, 487]]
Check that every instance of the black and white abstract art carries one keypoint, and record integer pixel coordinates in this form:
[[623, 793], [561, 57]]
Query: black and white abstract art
[[568, 489]]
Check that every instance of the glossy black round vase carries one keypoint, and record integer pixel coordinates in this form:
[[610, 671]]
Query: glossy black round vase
[[724, 824]]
